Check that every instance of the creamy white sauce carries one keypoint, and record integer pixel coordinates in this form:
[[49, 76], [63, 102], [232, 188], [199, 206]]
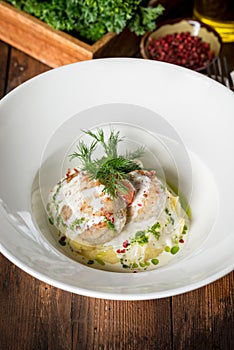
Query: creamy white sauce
[[136, 246]]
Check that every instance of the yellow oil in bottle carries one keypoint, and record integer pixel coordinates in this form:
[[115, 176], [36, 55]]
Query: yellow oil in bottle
[[218, 14], [224, 28]]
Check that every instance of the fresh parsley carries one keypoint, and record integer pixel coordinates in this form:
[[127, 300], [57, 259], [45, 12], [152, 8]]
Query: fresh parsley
[[91, 19]]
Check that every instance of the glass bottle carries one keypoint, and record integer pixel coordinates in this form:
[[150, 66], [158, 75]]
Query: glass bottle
[[219, 14]]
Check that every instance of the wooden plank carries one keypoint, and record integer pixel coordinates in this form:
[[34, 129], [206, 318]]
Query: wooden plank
[[34, 315], [203, 319], [32, 36], [4, 54], [21, 68], [125, 44], [118, 325]]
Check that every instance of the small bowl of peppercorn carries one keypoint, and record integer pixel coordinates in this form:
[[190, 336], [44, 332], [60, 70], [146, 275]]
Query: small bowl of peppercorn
[[184, 42]]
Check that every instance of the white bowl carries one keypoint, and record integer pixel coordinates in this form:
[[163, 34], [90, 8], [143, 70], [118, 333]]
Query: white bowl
[[185, 119]]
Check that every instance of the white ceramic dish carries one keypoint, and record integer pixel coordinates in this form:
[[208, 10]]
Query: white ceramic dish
[[188, 118]]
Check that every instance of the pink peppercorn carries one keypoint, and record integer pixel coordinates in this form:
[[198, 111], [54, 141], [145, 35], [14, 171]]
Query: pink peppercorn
[[182, 49], [68, 172], [125, 244], [121, 251]]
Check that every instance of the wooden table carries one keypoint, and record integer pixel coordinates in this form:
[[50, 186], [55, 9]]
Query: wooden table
[[36, 316]]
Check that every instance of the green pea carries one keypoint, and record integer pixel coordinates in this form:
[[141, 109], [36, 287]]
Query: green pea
[[175, 249], [155, 261]]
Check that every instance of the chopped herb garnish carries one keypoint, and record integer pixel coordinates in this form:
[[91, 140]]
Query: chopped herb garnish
[[185, 228], [57, 191], [100, 262], [51, 221], [110, 224], [140, 238], [172, 220], [58, 220], [155, 230], [77, 222], [125, 266], [90, 262], [170, 217]]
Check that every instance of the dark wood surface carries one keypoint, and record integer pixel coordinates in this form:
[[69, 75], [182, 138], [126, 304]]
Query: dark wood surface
[[37, 316]]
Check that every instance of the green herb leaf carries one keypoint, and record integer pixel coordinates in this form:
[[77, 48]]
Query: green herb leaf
[[91, 19], [111, 169], [155, 230], [140, 238], [110, 224]]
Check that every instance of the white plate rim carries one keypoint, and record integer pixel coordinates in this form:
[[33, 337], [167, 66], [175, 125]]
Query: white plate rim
[[144, 296]]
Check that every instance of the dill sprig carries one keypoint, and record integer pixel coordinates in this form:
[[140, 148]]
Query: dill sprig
[[111, 169]]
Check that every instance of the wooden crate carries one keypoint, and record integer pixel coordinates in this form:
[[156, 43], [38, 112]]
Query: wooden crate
[[52, 47]]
